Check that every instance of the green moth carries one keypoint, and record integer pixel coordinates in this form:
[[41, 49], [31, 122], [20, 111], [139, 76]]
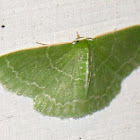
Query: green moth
[[73, 79]]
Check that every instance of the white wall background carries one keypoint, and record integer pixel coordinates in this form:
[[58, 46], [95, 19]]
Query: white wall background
[[53, 21]]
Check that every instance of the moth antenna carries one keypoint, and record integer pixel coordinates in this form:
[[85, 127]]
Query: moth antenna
[[41, 43]]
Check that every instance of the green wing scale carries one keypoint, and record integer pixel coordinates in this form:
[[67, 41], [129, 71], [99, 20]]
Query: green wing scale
[[73, 80]]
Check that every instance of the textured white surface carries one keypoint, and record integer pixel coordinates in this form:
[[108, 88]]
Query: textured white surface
[[53, 21]]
